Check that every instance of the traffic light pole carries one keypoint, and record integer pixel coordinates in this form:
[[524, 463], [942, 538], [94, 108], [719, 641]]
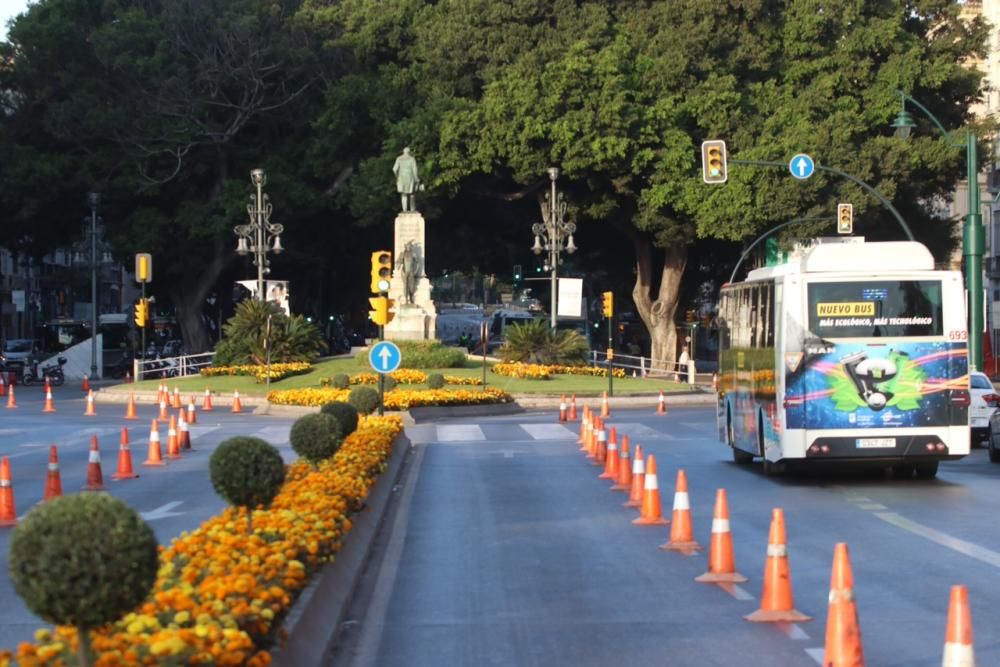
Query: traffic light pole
[[138, 376], [611, 354], [381, 377]]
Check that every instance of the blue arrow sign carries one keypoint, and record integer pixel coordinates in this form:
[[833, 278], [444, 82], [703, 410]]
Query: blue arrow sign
[[385, 357], [802, 166]]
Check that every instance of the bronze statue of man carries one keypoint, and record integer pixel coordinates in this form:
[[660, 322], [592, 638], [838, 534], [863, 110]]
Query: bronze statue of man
[[407, 179], [409, 267]]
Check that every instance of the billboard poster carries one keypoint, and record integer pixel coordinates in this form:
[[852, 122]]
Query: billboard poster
[[277, 293]]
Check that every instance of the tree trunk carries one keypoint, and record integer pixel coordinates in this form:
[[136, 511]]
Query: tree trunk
[[189, 298], [658, 313]]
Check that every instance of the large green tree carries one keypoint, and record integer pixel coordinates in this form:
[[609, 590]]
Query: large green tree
[[620, 94]]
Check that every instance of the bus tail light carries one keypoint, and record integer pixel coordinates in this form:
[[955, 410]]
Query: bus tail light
[[960, 397]]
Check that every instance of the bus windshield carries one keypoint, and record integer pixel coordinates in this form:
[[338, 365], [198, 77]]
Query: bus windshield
[[875, 308]]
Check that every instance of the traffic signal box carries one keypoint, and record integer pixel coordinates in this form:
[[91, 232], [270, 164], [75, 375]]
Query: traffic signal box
[[381, 312], [845, 218], [142, 313], [381, 271], [608, 303], [713, 161]]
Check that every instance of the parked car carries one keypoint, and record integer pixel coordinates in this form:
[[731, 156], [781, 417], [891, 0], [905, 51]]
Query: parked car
[[16, 352], [984, 402]]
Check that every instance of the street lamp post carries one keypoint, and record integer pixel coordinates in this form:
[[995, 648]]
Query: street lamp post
[[260, 235], [554, 235], [973, 234], [95, 199]]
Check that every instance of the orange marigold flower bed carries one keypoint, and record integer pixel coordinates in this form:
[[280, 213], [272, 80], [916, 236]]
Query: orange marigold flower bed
[[221, 593], [397, 399]]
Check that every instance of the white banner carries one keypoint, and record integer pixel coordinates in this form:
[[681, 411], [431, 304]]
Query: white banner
[[277, 293], [17, 297], [570, 297]]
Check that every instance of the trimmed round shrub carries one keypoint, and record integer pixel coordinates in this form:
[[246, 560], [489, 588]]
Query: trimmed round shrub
[[341, 381], [364, 399], [345, 414], [83, 560], [246, 472], [435, 381], [315, 437], [390, 383]]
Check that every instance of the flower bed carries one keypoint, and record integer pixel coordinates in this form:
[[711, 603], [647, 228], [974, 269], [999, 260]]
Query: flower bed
[[259, 372], [398, 399], [545, 372], [220, 593], [410, 376]]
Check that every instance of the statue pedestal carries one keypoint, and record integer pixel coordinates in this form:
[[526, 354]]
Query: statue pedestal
[[413, 321]]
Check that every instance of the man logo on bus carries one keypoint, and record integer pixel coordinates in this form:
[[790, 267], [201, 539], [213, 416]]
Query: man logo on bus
[[868, 376]]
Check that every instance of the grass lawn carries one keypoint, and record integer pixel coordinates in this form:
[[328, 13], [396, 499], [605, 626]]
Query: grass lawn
[[559, 384]]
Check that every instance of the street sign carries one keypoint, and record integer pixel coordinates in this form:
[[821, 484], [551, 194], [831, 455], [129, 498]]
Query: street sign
[[801, 166], [385, 357]]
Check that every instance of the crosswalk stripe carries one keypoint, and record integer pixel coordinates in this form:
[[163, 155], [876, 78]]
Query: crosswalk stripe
[[548, 431], [457, 432]]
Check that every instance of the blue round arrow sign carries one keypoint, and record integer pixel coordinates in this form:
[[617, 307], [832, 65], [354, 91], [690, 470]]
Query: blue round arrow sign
[[385, 357], [801, 166]]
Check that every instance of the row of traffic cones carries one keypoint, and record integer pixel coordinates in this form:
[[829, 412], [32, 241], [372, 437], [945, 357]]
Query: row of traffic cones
[[568, 411], [130, 413], [843, 637]]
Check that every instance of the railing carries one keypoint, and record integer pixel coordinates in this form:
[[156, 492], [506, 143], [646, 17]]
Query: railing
[[189, 364], [647, 367]]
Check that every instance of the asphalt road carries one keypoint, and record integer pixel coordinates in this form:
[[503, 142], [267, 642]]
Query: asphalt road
[[505, 549], [174, 498]]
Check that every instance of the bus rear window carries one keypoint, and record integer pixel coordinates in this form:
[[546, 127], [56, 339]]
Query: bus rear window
[[875, 308]]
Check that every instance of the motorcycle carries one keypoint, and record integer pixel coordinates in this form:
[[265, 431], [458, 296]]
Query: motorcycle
[[53, 372]]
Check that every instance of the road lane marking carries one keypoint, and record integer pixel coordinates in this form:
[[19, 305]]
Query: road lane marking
[[955, 544], [736, 591], [421, 433], [816, 654], [507, 453], [459, 432], [793, 631], [548, 431], [162, 512], [872, 506]]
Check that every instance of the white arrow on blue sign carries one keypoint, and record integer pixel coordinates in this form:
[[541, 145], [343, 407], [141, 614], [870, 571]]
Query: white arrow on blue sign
[[802, 166], [385, 357]]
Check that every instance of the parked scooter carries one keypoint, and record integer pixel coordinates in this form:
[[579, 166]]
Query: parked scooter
[[53, 372]]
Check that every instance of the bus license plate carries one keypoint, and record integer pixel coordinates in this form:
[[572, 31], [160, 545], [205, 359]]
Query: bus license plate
[[875, 443]]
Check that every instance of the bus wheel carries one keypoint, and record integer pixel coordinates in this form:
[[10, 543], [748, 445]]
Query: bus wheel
[[772, 469], [741, 457], [926, 470]]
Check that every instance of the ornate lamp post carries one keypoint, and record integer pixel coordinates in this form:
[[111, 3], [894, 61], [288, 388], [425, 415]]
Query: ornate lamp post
[[973, 234], [89, 248], [554, 235], [260, 235]]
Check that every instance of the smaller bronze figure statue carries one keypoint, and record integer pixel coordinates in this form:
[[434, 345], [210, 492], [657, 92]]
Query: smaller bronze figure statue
[[409, 267]]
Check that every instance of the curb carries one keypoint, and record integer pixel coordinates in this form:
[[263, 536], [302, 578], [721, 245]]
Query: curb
[[429, 412], [315, 618], [150, 397]]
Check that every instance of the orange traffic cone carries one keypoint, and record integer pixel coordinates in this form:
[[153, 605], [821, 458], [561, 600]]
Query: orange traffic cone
[[86, 384], [237, 406], [601, 445], [11, 401], [53, 482], [89, 412], [124, 459], [958, 649], [588, 432], [155, 456], [638, 479], [49, 407], [572, 408], [681, 531], [206, 404], [128, 377], [3, 385], [623, 481], [611, 458], [721, 562], [562, 408], [173, 445], [192, 416], [605, 408], [776, 603], [8, 515], [95, 479], [843, 637], [177, 398], [130, 408], [651, 513], [163, 416], [183, 432], [661, 405], [583, 428]]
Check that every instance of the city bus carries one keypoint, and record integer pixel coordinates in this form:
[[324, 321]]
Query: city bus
[[847, 352]]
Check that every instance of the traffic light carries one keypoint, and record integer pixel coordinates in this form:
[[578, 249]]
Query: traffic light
[[608, 303], [143, 267], [845, 218], [142, 313], [517, 273], [713, 161], [381, 271], [381, 312]]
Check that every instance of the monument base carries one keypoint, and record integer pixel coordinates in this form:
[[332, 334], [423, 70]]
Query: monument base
[[410, 322]]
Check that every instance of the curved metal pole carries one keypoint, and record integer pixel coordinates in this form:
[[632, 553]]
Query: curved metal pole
[[763, 236], [933, 119], [875, 193]]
